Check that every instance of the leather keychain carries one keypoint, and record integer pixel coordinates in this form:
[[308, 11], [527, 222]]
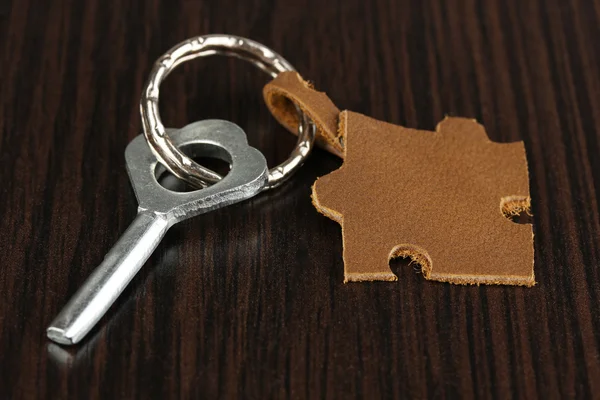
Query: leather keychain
[[438, 198], [444, 199]]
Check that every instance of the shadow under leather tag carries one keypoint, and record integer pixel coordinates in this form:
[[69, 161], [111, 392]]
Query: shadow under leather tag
[[441, 198]]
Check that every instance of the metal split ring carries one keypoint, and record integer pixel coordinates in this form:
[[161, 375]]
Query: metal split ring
[[163, 148]]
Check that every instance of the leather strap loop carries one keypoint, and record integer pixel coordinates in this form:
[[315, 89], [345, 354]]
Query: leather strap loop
[[289, 90]]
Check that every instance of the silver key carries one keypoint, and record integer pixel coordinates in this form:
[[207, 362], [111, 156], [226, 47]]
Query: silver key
[[158, 210]]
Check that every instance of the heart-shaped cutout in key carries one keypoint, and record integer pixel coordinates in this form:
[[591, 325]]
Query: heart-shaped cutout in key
[[222, 139]]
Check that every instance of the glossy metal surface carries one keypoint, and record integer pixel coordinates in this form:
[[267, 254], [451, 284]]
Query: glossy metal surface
[[158, 210], [158, 139]]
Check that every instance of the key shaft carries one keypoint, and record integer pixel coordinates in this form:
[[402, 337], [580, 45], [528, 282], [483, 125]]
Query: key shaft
[[109, 279]]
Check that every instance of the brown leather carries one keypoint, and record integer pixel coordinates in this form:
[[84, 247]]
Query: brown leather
[[440, 198], [436, 197], [289, 89]]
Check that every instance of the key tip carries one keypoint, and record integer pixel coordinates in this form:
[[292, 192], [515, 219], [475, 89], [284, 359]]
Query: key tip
[[59, 336]]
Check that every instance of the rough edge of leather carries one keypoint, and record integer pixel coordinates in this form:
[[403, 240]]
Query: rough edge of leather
[[280, 101], [509, 206], [513, 206], [337, 217]]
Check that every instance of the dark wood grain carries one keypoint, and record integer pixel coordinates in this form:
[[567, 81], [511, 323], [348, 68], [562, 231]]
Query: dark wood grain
[[248, 301]]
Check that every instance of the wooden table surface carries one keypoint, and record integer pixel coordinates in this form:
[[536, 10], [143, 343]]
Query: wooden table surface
[[248, 301]]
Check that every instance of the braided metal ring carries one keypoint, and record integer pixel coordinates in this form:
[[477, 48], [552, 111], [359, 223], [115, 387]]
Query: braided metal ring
[[163, 148]]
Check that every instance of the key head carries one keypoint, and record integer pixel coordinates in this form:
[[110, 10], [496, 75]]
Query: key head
[[215, 138]]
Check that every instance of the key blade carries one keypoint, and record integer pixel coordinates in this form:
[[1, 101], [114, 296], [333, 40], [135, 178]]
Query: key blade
[[109, 279]]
